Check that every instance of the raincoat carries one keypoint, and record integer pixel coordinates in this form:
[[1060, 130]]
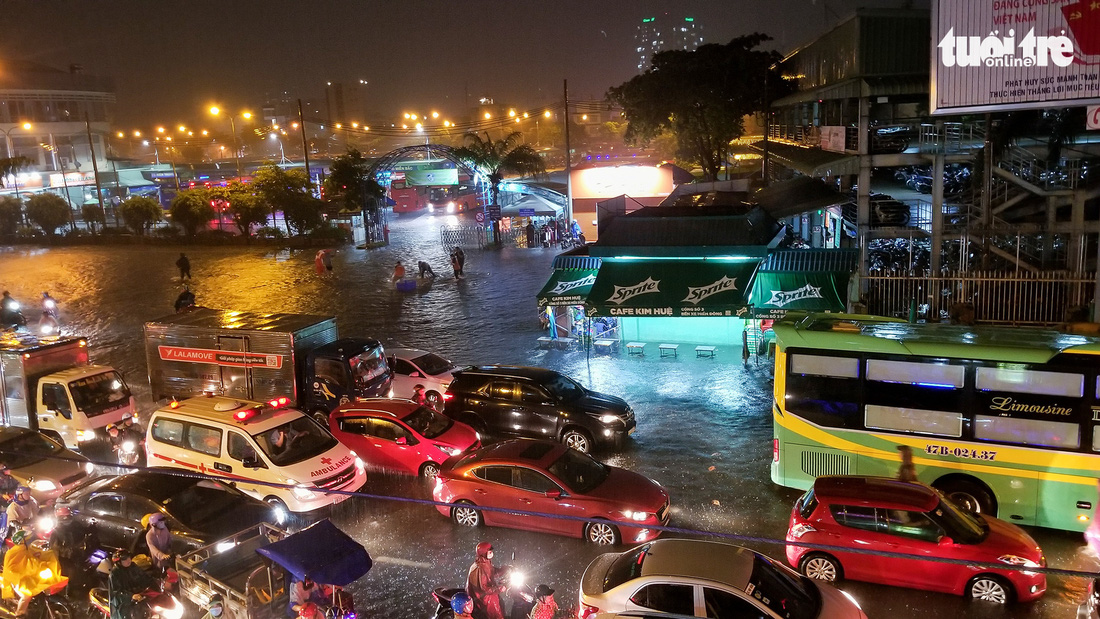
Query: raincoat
[[160, 546], [481, 586], [122, 584], [31, 570]]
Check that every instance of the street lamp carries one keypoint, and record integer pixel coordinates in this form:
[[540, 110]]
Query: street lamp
[[233, 129], [11, 150]]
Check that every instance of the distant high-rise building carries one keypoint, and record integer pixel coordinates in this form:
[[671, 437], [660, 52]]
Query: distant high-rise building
[[346, 102], [657, 34]]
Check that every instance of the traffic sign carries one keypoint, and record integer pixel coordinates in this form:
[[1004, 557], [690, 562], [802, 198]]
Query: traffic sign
[[494, 211], [480, 217], [1092, 117], [526, 212]]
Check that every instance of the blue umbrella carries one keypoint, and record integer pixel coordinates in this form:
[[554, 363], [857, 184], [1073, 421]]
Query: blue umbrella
[[322, 551]]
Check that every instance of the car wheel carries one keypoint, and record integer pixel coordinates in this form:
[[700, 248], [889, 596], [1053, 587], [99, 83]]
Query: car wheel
[[821, 567], [578, 439], [601, 533], [466, 515], [277, 504], [429, 470], [970, 495], [321, 417], [988, 588], [434, 400]]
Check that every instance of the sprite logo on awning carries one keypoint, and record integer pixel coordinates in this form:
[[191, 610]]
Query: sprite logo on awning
[[698, 293], [588, 280], [623, 293], [783, 297]]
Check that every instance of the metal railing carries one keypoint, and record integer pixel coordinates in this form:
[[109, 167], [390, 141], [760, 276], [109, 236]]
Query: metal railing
[[462, 236], [1004, 298]]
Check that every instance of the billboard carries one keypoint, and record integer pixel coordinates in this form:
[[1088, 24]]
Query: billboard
[[996, 55]]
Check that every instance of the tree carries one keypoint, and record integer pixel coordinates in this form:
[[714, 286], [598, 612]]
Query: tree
[[281, 189], [11, 165], [351, 184], [11, 212], [48, 211], [303, 213], [191, 210], [246, 208], [495, 159], [92, 214], [702, 96], [140, 213]]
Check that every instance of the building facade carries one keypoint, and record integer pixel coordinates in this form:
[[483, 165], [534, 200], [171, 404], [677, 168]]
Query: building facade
[[664, 32]]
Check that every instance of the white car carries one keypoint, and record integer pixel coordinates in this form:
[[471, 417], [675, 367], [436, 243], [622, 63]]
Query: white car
[[695, 578], [412, 367]]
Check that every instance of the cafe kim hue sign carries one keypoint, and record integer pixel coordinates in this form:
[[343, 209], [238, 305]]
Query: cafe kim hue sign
[[996, 55]]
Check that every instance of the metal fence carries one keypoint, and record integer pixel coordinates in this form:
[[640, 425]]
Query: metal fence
[[462, 236], [1004, 298]]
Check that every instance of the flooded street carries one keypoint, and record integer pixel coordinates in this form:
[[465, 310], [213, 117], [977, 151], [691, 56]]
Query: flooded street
[[704, 425]]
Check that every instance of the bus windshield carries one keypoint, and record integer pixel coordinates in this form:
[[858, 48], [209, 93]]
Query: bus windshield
[[98, 393]]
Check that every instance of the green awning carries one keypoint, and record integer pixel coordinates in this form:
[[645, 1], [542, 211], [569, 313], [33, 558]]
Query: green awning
[[567, 287], [776, 293], [671, 288]]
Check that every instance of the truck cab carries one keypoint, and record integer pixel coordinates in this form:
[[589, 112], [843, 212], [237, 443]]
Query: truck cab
[[76, 404], [343, 371]]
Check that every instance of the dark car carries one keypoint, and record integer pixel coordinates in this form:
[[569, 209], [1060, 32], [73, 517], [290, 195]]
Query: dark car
[[536, 403], [199, 511]]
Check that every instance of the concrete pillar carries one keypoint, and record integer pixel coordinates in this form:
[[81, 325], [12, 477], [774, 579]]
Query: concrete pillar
[[937, 213], [863, 192], [1077, 234]]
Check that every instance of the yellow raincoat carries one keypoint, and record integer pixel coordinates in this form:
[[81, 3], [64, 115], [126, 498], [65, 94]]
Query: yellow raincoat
[[31, 570]]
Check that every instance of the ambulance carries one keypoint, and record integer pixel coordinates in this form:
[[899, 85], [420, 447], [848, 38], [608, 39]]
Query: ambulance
[[274, 453]]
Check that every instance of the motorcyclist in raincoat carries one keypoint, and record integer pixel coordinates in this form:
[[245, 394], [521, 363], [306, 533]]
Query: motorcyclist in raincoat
[[481, 584], [28, 571], [126, 584]]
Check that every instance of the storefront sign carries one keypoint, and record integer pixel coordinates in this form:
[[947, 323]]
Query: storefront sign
[[1092, 117], [526, 212], [833, 139], [72, 179], [783, 297], [996, 55], [227, 358]]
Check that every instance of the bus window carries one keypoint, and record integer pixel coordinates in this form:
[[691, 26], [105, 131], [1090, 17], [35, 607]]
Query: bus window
[[1027, 431], [1096, 438], [839, 367], [924, 374], [918, 421], [1031, 381]]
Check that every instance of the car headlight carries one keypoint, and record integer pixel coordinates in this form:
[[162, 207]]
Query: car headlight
[[1017, 561], [43, 485], [302, 493], [85, 435], [609, 418], [450, 451], [89, 467], [636, 516]]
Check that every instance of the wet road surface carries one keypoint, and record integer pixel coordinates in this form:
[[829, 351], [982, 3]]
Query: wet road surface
[[704, 426]]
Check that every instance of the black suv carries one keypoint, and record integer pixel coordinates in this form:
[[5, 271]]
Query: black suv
[[538, 403]]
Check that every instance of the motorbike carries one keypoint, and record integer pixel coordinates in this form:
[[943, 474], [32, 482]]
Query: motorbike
[[11, 315], [153, 604], [49, 604], [49, 306], [516, 601]]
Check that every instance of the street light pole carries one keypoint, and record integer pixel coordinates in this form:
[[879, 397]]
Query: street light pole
[[95, 168], [305, 146], [236, 150]]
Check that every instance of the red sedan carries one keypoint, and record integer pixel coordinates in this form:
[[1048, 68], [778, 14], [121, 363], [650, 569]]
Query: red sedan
[[877, 513], [549, 478], [400, 435]]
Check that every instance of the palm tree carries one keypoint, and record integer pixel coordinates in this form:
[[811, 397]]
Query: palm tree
[[11, 165], [495, 159]]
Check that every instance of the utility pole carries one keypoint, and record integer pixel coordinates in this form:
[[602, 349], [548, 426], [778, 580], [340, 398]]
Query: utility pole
[[568, 161], [95, 169], [305, 146]]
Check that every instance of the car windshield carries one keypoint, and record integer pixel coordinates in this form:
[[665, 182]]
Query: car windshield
[[564, 388], [427, 422], [782, 590], [26, 449], [294, 441], [432, 364], [95, 394], [627, 566], [579, 472], [367, 365], [197, 505], [960, 525]]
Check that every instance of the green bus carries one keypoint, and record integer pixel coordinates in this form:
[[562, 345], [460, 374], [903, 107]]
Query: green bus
[[1004, 420]]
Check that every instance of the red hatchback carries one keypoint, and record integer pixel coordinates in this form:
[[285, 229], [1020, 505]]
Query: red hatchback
[[401, 435], [877, 513], [549, 478]]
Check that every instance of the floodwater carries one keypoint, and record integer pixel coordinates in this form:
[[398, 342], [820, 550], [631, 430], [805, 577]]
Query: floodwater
[[704, 425]]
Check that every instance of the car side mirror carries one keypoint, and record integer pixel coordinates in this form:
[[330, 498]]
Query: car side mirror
[[252, 462], [401, 440], [553, 494], [946, 541]]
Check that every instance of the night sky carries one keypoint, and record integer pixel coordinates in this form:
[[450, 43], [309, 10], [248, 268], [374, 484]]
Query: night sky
[[170, 59]]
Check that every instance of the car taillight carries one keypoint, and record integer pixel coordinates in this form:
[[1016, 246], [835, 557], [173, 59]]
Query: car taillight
[[800, 529], [775, 450], [584, 611], [448, 396]]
